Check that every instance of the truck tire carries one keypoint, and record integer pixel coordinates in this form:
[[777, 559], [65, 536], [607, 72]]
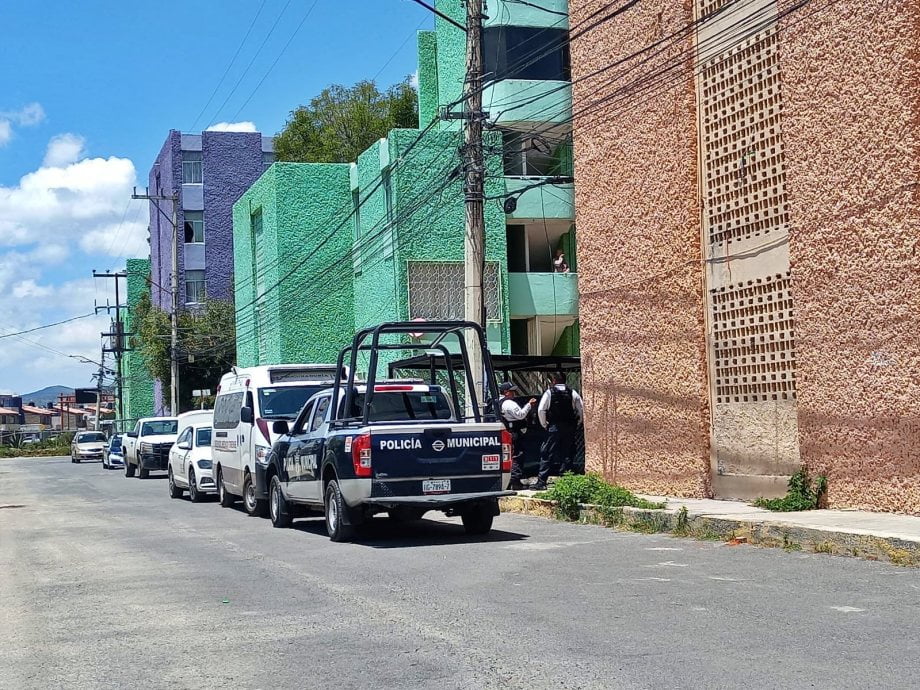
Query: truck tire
[[279, 510], [174, 491], [224, 496], [254, 506], [129, 469], [335, 514], [477, 519], [142, 472]]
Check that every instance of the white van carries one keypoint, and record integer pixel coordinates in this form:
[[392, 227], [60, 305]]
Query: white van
[[248, 402]]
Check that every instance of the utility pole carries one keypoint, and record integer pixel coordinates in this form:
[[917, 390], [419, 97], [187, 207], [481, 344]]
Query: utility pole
[[117, 336], [99, 390], [174, 290], [474, 235]]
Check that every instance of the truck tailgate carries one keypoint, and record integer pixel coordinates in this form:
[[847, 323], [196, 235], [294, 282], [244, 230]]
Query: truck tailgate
[[408, 460]]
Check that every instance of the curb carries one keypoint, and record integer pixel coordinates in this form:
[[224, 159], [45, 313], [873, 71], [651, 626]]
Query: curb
[[761, 533]]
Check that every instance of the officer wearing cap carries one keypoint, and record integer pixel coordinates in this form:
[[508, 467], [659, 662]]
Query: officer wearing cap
[[515, 418]]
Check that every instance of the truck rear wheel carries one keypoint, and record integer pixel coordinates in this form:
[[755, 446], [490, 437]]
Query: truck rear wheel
[[335, 514], [254, 506], [225, 497], [279, 510], [477, 519]]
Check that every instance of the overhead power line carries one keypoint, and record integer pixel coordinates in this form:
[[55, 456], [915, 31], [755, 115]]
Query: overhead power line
[[440, 14], [39, 328]]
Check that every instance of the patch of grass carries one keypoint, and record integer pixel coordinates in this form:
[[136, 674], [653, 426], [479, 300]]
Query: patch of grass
[[803, 494], [682, 523], [573, 490], [789, 545], [824, 547]]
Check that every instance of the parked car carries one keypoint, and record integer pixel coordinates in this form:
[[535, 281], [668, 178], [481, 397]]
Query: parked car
[[248, 401], [190, 467], [87, 445], [399, 447], [146, 447], [112, 456]]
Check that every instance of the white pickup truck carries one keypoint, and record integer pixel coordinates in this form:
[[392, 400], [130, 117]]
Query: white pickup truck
[[147, 445]]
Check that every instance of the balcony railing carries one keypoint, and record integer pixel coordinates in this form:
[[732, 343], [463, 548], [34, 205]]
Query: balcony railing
[[543, 294]]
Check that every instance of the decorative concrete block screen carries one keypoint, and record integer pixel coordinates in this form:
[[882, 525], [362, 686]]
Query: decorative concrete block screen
[[753, 337], [745, 190], [436, 290]]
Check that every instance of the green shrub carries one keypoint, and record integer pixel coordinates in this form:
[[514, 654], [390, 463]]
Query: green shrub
[[803, 494], [572, 490]]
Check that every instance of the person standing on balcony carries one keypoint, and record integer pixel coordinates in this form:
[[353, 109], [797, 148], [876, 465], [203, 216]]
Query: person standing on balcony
[[515, 418], [559, 263], [561, 411]]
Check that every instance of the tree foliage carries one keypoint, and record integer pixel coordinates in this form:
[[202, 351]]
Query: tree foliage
[[341, 122], [206, 345]]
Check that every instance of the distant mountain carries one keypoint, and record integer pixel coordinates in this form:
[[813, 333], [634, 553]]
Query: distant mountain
[[46, 395]]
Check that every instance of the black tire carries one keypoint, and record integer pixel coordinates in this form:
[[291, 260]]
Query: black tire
[[254, 506], [279, 510], [225, 497], [129, 469], [336, 510], [104, 466], [174, 491], [194, 495], [477, 519], [142, 472]]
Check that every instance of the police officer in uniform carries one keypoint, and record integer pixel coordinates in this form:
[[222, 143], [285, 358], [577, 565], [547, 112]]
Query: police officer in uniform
[[561, 410], [515, 418]]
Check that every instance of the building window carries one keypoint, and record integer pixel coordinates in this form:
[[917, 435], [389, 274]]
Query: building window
[[255, 220], [356, 212], [268, 157], [195, 291], [526, 155], [436, 290], [191, 167], [523, 52], [194, 226]]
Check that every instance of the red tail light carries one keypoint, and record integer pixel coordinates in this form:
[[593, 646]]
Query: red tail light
[[361, 455], [393, 387], [507, 450]]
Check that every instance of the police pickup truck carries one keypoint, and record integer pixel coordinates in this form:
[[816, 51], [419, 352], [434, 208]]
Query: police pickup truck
[[401, 447]]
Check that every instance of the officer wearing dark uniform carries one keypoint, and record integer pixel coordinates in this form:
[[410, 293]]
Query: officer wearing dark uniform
[[561, 410], [515, 419]]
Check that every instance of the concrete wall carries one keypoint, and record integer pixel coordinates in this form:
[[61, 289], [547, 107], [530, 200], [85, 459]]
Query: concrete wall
[[640, 276], [852, 131], [138, 386]]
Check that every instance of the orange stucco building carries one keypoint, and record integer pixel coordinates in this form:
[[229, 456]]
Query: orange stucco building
[[747, 186]]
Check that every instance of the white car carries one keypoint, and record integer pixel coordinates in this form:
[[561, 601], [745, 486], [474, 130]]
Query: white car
[[87, 445], [190, 463]]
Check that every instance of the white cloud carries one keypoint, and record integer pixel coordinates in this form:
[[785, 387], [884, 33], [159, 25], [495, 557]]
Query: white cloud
[[27, 116], [413, 80], [62, 150], [233, 127], [128, 239]]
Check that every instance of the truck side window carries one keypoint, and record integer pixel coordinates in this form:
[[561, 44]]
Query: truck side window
[[304, 418], [320, 415]]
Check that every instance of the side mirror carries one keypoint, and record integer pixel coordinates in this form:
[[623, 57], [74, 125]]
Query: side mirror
[[131, 434], [246, 415], [185, 445], [280, 426]]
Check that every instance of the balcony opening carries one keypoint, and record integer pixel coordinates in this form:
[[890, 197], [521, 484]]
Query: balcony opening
[[525, 52], [529, 155]]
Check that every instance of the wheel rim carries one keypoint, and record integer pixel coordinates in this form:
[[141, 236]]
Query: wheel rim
[[250, 496], [172, 483], [192, 487], [275, 507], [220, 485], [332, 509]]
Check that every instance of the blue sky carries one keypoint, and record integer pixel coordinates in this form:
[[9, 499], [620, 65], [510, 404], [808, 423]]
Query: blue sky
[[87, 95]]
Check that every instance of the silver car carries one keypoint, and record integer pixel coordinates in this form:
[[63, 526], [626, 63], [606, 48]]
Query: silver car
[[87, 445]]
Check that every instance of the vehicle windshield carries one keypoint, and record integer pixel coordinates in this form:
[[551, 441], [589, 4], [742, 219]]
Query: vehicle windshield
[[401, 406], [164, 426], [116, 443], [285, 401], [203, 437], [91, 437]]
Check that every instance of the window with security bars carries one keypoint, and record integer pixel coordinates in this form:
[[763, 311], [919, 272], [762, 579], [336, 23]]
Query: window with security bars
[[436, 290]]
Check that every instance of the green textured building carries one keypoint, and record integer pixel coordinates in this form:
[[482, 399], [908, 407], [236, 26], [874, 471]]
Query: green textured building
[[138, 384], [321, 250]]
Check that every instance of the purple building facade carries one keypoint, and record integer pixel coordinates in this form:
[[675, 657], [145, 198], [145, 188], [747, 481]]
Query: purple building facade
[[210, 171]]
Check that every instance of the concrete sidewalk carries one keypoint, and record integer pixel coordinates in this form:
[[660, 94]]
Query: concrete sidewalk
[[876, 536]]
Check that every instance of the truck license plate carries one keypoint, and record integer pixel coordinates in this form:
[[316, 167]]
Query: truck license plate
[[436, 486]]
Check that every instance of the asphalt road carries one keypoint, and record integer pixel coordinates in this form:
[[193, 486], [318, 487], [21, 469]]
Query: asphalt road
[[107, 583]]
